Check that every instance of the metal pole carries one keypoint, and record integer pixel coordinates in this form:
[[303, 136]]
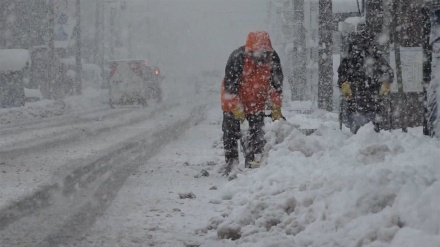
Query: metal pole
[[112, 32], [102, 34], [427, 52], [52, 63], [401, 94], [3, 24], [298, 79], [97, 32], [363, 7], [325, 87], [78, 87]]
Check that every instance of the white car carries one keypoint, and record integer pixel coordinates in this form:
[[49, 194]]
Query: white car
[[134, 82]]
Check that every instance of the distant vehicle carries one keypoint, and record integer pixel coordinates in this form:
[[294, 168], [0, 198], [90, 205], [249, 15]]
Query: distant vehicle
[[14, 71], [134, 82]]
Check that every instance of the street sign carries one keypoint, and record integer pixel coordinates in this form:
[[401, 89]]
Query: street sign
[[65, 19]]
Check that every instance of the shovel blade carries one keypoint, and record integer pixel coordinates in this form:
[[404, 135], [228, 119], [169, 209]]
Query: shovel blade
[[307, 132]]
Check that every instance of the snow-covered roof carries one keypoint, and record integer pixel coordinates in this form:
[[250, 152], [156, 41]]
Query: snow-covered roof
[[13, 59]]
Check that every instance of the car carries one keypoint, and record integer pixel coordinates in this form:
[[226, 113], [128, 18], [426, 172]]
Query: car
[[134, 81]]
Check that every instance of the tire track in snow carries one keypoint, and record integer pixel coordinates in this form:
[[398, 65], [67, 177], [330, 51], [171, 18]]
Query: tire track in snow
[[53, 121], [71, 133], [70, 207]]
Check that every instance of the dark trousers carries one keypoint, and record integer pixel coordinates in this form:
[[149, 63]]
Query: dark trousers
[[356, 116], [252, 142]]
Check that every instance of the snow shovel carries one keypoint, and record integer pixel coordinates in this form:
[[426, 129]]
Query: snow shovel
[[306, 132], [341, 109]]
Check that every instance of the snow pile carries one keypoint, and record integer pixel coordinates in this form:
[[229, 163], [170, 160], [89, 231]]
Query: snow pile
[[40, 109], [34, 94], [89, 100], [333, 188], [14, 59]]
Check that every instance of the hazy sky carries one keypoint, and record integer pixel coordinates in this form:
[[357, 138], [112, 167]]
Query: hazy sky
[[202, 33], [192, 35], [188, 36]]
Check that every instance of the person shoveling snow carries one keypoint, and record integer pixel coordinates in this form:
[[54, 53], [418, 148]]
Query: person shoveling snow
[[253, 75]]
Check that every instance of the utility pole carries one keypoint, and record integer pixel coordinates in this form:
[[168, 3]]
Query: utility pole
[[78, 86], [129, 42], [97, 32], [325, 87], [430, 107], [112, 32], [298, 79], [100, 33], [432, 103], [396, 34], [101, 39], [52, 64], [112, 15], [3, 23]]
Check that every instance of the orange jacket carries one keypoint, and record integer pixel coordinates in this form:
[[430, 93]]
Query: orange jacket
[[249, 85]]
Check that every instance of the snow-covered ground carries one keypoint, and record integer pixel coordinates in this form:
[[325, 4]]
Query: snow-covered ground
[[331, 188], [78, 173], [38, 108], [159, 176]]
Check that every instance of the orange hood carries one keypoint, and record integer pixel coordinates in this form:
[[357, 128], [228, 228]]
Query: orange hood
[[258, 41]]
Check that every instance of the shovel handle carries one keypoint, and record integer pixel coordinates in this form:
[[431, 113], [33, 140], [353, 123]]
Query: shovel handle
[[270, 115]]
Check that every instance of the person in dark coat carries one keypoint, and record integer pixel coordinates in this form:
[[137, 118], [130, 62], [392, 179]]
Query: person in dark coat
[[253, 77], [365, 77]]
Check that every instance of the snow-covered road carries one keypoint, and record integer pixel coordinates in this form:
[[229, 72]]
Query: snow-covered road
[[58, 174]]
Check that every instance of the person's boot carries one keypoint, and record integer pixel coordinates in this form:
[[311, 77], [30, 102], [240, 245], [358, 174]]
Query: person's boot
[[255, 162], [229, 166], [376, 128], [354, 129]]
